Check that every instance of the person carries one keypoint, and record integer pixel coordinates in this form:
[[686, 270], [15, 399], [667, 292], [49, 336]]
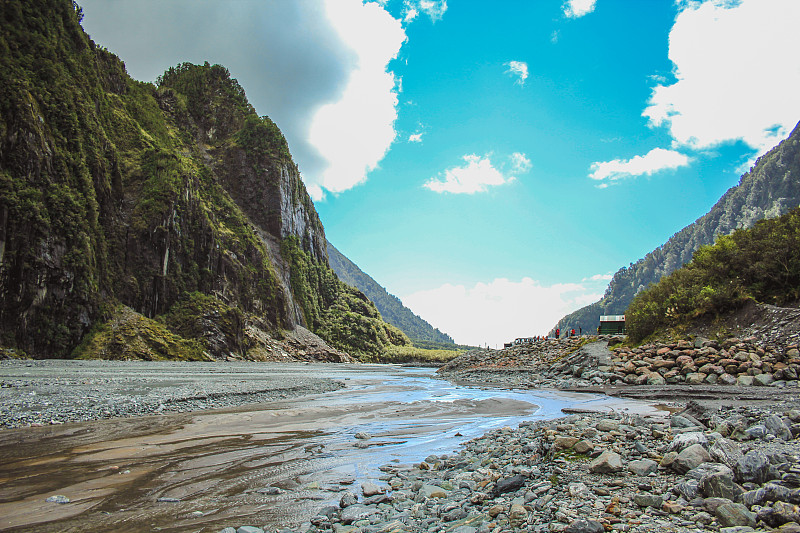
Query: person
[[572, 333], [558, 333], [580, 330]]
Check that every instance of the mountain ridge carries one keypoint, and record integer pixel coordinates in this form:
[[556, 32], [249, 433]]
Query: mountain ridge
[[768, 190]]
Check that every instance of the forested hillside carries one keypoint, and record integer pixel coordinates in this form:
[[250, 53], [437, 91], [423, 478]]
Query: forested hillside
[[152, 221], [391, 308], [770, 189], [761, 263]]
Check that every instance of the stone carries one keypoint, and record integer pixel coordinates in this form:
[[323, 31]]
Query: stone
[[776, 426], [578, 490], [655, 378], [518, 515], [433, 491], [735, 514], [644, 499], [695, 378], [58, 498], [752, 467], [780, 513], [763, 380], [607, 425], [689, 489], [585, 526], [583, 446], [363, 435], [249, 529], [691, 457], [668, 459], [228, 530], [721, 485], [369, 488], [348, 499], [744, 381], [643, 467], [683, 440], [607, 463], [564, 443], [355, 512], [725, 451], [757, 432], [726, 379], [509, 484]]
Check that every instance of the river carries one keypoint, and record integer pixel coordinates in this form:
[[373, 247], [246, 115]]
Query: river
[[273, 463]]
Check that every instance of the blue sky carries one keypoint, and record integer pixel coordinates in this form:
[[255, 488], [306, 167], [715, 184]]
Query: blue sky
[[492, 164]]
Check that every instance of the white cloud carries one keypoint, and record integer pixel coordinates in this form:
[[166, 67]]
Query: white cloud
[[476, 176], [520, 163], [737, 77], [653, 161], [353, 133], [498, 311], [415, 138], [435, 9], [599, 277], [578, 8], [518, 69]]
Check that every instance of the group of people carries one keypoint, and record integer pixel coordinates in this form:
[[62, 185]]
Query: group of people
[[568, 334]]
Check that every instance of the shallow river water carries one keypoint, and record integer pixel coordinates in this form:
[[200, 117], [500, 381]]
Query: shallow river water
[[272, 463]]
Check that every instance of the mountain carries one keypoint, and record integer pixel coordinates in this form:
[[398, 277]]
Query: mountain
[[770, 189], [169, 217], [391, 308]]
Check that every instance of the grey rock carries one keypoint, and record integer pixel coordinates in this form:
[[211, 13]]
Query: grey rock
[[607, 463], [644, 499], [228, 530], [691, 457], [509, 484], [721, 485], [363, 435], [763, 380], [168, 500], [369, 488], [737, 529], [607, 425], [249, 529], [58, 498], [711, 504], [355, 512], [735, 514], [752, 467], [689, 489], [725, 451], [757, 432], [776, 426], [643, 467], [348, 499], [780, 513], [585, 526], [684, 440]]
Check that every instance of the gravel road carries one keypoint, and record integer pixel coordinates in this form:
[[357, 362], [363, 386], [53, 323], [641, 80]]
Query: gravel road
[[58, 391]]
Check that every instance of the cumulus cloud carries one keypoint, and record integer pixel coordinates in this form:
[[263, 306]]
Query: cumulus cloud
[[656, 160], [737, 78], [353, 133], [520, 163], [415, 137], [476, 175], [435, 9], [500, 310], [599, 277], [518, 69], [329, 89], [578, 8]]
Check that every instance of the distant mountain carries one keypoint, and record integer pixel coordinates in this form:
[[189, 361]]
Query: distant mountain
[[769, 190], [391, 308]]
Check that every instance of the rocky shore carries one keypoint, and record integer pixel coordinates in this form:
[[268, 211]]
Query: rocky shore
[[732, 471]]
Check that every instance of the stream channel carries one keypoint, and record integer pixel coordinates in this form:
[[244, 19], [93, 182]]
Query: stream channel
[[267, 464]]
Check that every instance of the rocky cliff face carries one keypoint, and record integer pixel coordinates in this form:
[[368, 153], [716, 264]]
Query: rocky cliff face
[[118, 196], [769, 190]]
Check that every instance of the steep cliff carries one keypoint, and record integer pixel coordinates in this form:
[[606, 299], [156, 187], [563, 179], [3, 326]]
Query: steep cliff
[[391, 308], [769, 190], [120, 197]]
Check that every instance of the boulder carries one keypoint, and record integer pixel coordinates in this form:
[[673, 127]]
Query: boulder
[[752, 467], [691, 457], [607, 463], [642, 467], [683, 440], [585, 526], [735, 514]]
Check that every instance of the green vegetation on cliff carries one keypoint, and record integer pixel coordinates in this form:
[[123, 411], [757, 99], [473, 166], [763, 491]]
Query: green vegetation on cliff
[[337, 312], [391, 308], [156, 204], [761, 263], [770, 189]]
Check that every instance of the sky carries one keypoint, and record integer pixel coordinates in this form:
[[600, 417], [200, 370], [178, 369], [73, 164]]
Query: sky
[[494, 163]]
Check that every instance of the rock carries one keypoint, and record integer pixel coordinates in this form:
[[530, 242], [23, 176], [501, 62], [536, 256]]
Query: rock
[[655, 378], [780, 513], [735, 514], [607, 425], [578, 490], [644, 499], [370, 489], [668, 459], [583, 446], [564, 443], [58, 498], [509, 484], [763, 380], [776, 426], [643, 467], [363, 435], [585, 526], [744, 381], [695, 378], [348, 499], [228, 530], [757, 432], [433, 491], [725, 451], [168, 500], [607, 463], [691, 457], [689, 489], [721, 485], [249, 529], [354, 513], [518, 515], [683, 440], [684, 421], [752, 467]]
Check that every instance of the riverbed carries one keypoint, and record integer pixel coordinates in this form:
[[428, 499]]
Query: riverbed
[[273, 463]]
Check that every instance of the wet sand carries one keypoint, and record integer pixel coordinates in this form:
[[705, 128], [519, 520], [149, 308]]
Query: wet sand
[[210, 466]]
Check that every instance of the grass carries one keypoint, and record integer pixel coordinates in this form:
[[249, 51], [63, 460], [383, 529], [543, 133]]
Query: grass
[[412, 354]]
